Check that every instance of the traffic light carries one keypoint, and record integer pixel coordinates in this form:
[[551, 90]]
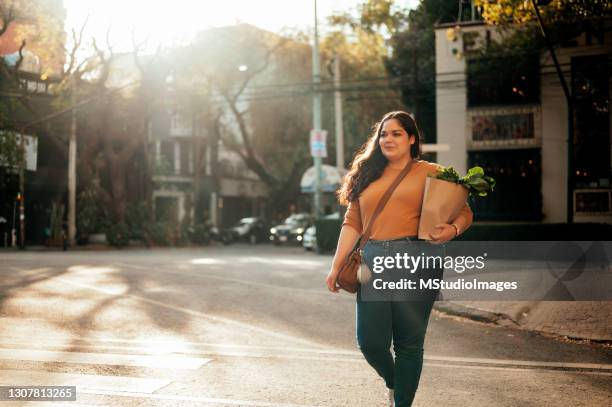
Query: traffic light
[[18, 196]]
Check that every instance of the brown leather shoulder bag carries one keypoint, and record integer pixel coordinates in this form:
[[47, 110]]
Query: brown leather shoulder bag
[[347, 276]]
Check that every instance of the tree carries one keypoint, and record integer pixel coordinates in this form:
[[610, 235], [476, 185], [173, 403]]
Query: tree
[[35, 27], [112, 138], [26, 26], [411, 39], [555, 11], [9, 156], [367, 89], [280, 120], [235, 67]]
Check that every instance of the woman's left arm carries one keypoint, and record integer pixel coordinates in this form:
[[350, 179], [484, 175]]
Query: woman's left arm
[[449, 231], [464, 219]]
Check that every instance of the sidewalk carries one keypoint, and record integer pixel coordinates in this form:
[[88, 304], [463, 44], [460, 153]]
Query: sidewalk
[[575, 319]]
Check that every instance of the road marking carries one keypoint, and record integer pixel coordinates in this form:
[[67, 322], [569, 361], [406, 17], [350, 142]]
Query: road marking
[[150, 347], [283, 261], [55, 404], [516, 369], [528, 363], [285, 289], [153, 361], [192, 312], [220, 350], [81, 381], [462, 361], [206, 400]]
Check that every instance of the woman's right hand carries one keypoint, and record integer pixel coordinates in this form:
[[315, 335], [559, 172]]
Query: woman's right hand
[[332, 278]]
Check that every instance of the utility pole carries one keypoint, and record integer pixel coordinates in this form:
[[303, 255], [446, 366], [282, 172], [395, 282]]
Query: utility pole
[[72, 153], [316, 111], [22, 190], [339, 118]]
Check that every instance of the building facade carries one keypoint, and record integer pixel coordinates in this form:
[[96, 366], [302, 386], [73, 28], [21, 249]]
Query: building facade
[[513, 121]]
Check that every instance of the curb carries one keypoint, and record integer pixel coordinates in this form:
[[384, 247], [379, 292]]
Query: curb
[[475, 314], [502, 319]]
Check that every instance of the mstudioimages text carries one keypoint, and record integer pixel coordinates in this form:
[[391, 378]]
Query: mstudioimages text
[[439, 284], [404, 261]]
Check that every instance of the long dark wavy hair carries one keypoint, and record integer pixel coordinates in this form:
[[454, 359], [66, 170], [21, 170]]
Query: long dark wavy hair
[[369, 162]]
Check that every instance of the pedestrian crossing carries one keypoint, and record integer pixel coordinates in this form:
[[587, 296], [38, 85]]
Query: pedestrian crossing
[[154, 385], [94, 388], [114, 359], [81, 381]]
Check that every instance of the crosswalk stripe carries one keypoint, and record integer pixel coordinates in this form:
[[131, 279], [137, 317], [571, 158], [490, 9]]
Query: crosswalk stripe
[[196, 399], [528, 363], [81, 381], [154, 361], [431, 360], [515, 369]]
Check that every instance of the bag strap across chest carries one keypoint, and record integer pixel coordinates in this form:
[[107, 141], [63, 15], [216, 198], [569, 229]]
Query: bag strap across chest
[[365, 236]]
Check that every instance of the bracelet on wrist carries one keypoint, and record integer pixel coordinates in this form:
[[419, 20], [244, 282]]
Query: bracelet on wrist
[[456, 229]]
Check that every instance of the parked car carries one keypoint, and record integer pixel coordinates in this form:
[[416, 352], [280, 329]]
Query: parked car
[[310, 239], [252, 230], [205, 233], [310, 236], [292, 229]]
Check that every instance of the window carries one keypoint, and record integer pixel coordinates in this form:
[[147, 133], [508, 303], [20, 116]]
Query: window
[[180, 123], [186, 158], [517, 195], [167, 157], [590, 88], [497, 81]]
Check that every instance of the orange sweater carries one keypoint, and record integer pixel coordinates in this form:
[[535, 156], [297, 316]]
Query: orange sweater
[[400, 217]]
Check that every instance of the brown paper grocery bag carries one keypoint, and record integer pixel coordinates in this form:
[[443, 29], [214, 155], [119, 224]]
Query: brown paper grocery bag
[[442, 202]]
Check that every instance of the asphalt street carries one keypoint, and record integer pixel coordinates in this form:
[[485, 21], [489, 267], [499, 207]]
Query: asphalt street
[[250, 326]]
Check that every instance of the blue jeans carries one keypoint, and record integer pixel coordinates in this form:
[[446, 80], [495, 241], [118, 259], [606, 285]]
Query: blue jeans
[[403, 322]]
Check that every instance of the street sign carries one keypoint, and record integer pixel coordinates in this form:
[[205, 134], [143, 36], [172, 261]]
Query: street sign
[[318, 146]]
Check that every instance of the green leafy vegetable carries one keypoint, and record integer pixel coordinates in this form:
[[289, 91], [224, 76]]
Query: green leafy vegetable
[[475, 180]]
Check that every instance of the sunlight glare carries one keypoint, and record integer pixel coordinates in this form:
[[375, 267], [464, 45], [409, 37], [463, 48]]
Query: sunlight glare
[[177, 23]]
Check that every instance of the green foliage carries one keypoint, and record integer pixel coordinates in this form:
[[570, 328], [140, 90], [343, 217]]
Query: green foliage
[[56, 221], [91, 218], [372, 15], [516, 21], [475, 180], [197, 234], [413, 60], [448, 174], [163, 167], [118, 235], [9, 148], [359, 38], [9, 155], [158, 234], [521, 11], [137, 219]]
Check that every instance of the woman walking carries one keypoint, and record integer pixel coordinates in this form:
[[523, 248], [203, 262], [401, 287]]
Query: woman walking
[[393, 147]]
